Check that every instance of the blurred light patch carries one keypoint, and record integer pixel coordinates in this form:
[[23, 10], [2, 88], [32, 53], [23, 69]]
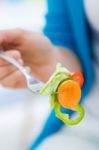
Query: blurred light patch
[[22, 14]]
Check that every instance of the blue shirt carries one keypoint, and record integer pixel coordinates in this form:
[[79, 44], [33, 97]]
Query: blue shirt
[[66, 26]]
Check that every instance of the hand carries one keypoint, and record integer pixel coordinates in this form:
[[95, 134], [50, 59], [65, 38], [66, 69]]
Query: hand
[[35, 51], [30, 48]]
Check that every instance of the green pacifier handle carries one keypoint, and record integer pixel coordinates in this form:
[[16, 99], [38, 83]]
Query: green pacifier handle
[[65, 117]]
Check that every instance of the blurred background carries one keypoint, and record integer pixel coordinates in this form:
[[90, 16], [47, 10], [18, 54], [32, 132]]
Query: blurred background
[[18, 110]]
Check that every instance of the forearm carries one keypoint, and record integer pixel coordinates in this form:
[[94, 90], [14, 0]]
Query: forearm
[[67, 58], [59, 55]]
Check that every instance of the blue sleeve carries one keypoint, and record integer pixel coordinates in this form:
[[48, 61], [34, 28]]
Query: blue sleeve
[[58, 28]]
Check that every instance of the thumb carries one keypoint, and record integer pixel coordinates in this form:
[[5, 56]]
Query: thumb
[[12, 53]]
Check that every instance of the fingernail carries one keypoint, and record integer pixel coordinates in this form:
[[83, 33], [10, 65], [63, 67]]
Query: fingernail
[[15, 54], [21, 61], [28, 69]]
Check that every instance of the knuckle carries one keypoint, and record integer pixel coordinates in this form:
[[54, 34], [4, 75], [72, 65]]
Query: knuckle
[[19, 30]]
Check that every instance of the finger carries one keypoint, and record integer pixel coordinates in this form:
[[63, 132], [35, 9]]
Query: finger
[[14, 80], [23, 84], [10, 39], [15, 54], [6, 71]]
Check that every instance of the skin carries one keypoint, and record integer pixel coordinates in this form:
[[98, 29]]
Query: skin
[[35, 51]]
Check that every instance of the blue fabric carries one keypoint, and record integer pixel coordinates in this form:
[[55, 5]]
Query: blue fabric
[[66, 26]]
